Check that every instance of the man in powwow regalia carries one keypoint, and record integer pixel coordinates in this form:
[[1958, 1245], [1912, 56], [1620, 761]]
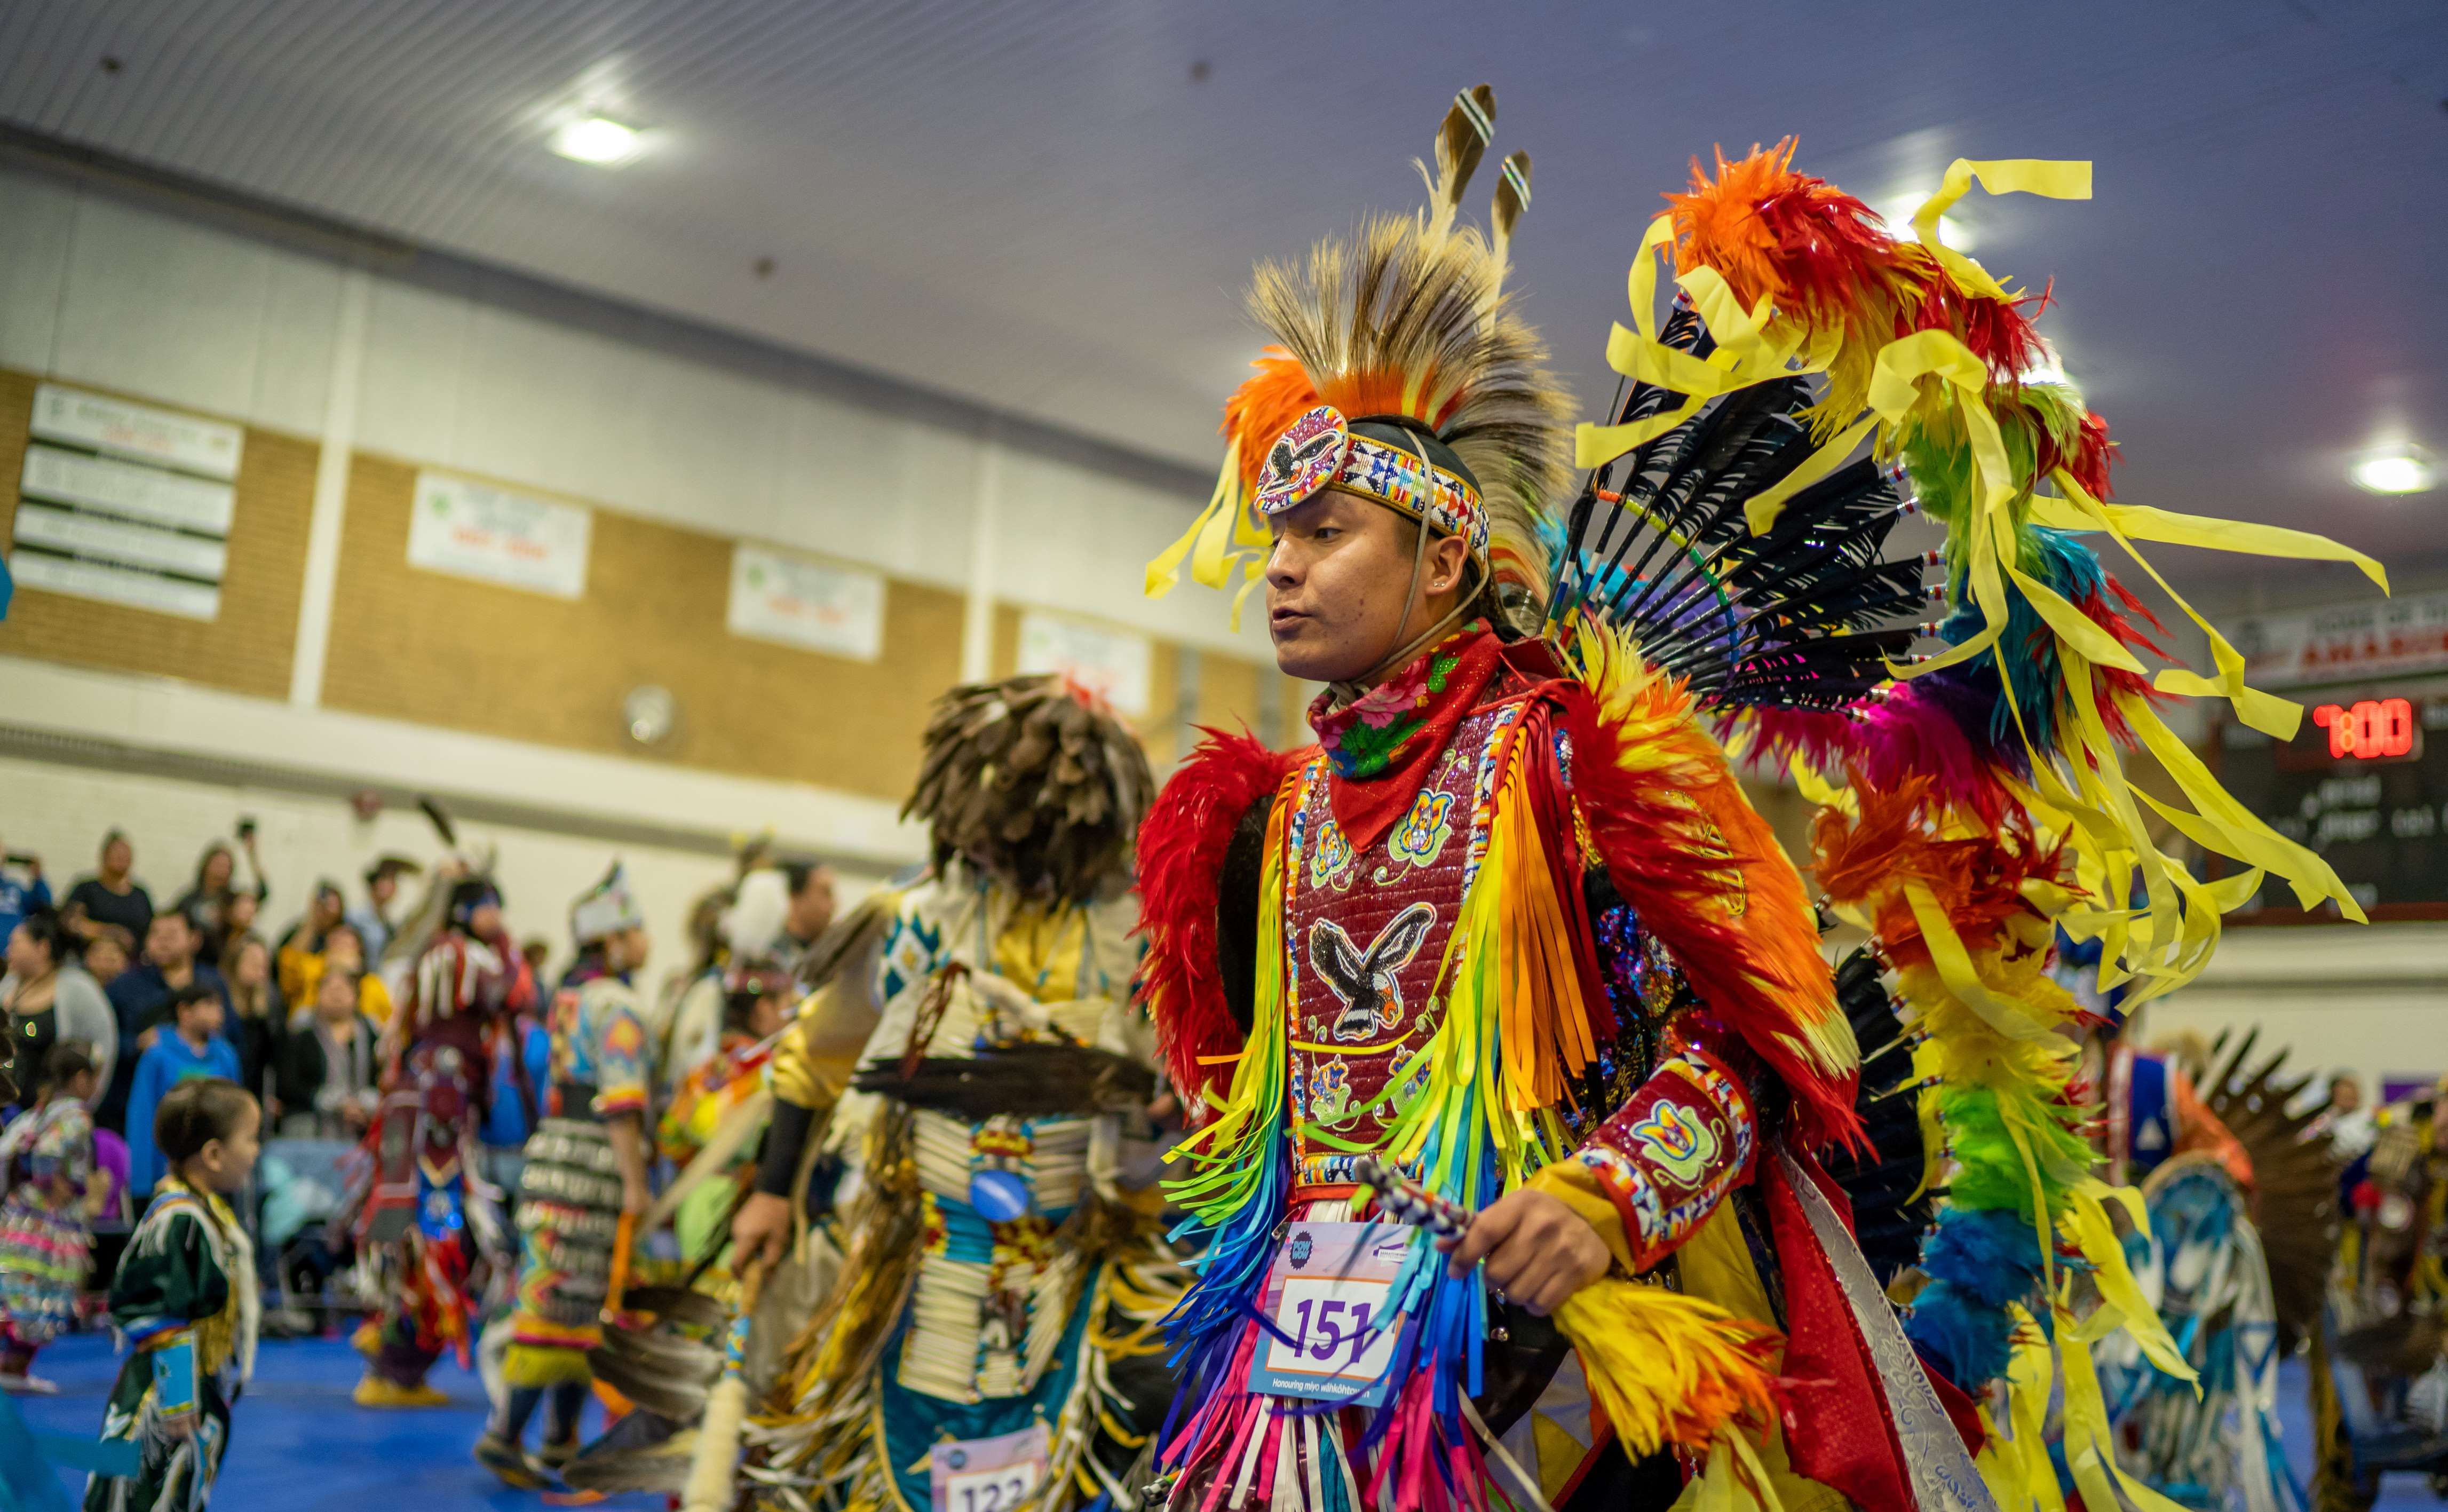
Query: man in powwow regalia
[[582, 1188], [430, 1226], [1507, 954]]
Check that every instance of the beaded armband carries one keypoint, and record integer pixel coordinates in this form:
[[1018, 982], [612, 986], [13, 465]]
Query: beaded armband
[[1672, 1153]]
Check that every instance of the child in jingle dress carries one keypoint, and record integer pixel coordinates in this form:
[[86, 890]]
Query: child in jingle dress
[[46, 1163]]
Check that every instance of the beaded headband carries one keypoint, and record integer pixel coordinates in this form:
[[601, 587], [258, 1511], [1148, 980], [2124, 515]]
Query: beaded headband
[[1320, 451]]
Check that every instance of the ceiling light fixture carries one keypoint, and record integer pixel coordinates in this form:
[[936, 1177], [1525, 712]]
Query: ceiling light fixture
[[2404, 469], [2045, 368], [598, 140], [1898, 214]]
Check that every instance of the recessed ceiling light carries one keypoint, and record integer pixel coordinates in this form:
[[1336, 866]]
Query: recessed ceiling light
[[2045, 368], [2394, 469], [598, 140], [1898, 214]]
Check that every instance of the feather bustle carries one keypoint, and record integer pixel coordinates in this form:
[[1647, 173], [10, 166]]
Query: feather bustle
[[1182, 849], [1680, 841]]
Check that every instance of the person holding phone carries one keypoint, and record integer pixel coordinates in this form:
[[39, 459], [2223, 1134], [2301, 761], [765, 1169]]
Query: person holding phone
[[206, 902]]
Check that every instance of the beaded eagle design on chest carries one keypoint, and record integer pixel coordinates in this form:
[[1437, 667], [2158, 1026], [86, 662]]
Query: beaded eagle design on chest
[[1366, 935]]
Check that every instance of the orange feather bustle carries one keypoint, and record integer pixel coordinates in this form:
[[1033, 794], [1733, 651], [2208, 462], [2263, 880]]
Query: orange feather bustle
[[1815, 250], [1359, 395], [1263, 407], [1977, 880], [1822, 257]]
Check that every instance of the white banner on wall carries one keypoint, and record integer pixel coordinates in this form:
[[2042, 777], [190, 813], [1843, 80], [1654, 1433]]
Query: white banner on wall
[[157, 591], [812, 605], [130, 490], [1116, 663], [472, 529], [110, 506], [159, 436], [2350, 642]]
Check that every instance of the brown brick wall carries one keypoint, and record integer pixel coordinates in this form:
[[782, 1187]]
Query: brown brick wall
[[248, 648], [427, 647], [1228, 690]]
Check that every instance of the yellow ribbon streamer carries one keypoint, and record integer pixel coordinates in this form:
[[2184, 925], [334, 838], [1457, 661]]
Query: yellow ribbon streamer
[[1955, 968], [2075, 510], [1815, 789], [2086, 1223], [2089, 1441], [1752, 348], [2050, 180], [1222, 533], [1989, 534]]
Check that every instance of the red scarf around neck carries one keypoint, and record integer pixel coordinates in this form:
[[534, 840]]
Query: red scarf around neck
[[1380, 744]]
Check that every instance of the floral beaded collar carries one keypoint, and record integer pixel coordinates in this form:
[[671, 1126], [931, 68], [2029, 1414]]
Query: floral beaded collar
[[1379, 745]]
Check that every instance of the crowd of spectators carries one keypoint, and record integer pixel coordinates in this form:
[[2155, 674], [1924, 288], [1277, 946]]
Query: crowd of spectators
[[199, 987]]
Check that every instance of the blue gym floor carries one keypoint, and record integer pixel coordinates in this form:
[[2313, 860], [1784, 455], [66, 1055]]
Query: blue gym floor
[[299, 1444]]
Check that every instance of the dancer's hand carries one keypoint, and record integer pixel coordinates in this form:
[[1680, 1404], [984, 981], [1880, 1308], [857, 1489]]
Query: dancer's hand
[[1538, 1251], [761, 1231]]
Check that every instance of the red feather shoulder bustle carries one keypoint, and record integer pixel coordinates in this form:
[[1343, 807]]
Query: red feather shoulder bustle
[[1706, 877], [1181, 850]]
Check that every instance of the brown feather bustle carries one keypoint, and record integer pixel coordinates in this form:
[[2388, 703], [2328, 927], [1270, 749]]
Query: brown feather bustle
[[2294, 1177], [1027, 783]]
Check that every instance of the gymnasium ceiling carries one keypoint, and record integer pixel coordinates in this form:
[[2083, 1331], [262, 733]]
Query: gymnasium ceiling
[[1050, 206]]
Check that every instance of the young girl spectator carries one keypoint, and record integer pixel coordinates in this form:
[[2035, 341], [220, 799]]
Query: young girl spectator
[[258, 1020], [46, 1163], [185, 1298], [48, 999], [108, 953]]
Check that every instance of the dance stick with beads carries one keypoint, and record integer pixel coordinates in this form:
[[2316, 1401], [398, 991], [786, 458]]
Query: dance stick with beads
[[1406, 1201]]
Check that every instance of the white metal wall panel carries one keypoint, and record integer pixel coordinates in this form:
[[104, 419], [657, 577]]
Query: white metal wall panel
[[37, 221], [412, 392], [292, 371], [182, 306]]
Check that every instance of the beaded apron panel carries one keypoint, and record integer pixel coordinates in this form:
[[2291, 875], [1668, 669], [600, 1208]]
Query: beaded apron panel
[[1364, 934]]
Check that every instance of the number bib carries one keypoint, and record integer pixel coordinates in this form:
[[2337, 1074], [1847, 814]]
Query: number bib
[[987, 1475], [1329, 1294]]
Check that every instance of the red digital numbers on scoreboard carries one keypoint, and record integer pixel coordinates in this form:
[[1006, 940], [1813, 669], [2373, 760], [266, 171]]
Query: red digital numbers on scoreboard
[[2369, 731]]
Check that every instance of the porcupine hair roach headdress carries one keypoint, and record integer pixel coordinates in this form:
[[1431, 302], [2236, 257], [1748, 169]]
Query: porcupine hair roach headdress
[[1399, 373], [1034, 782]]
